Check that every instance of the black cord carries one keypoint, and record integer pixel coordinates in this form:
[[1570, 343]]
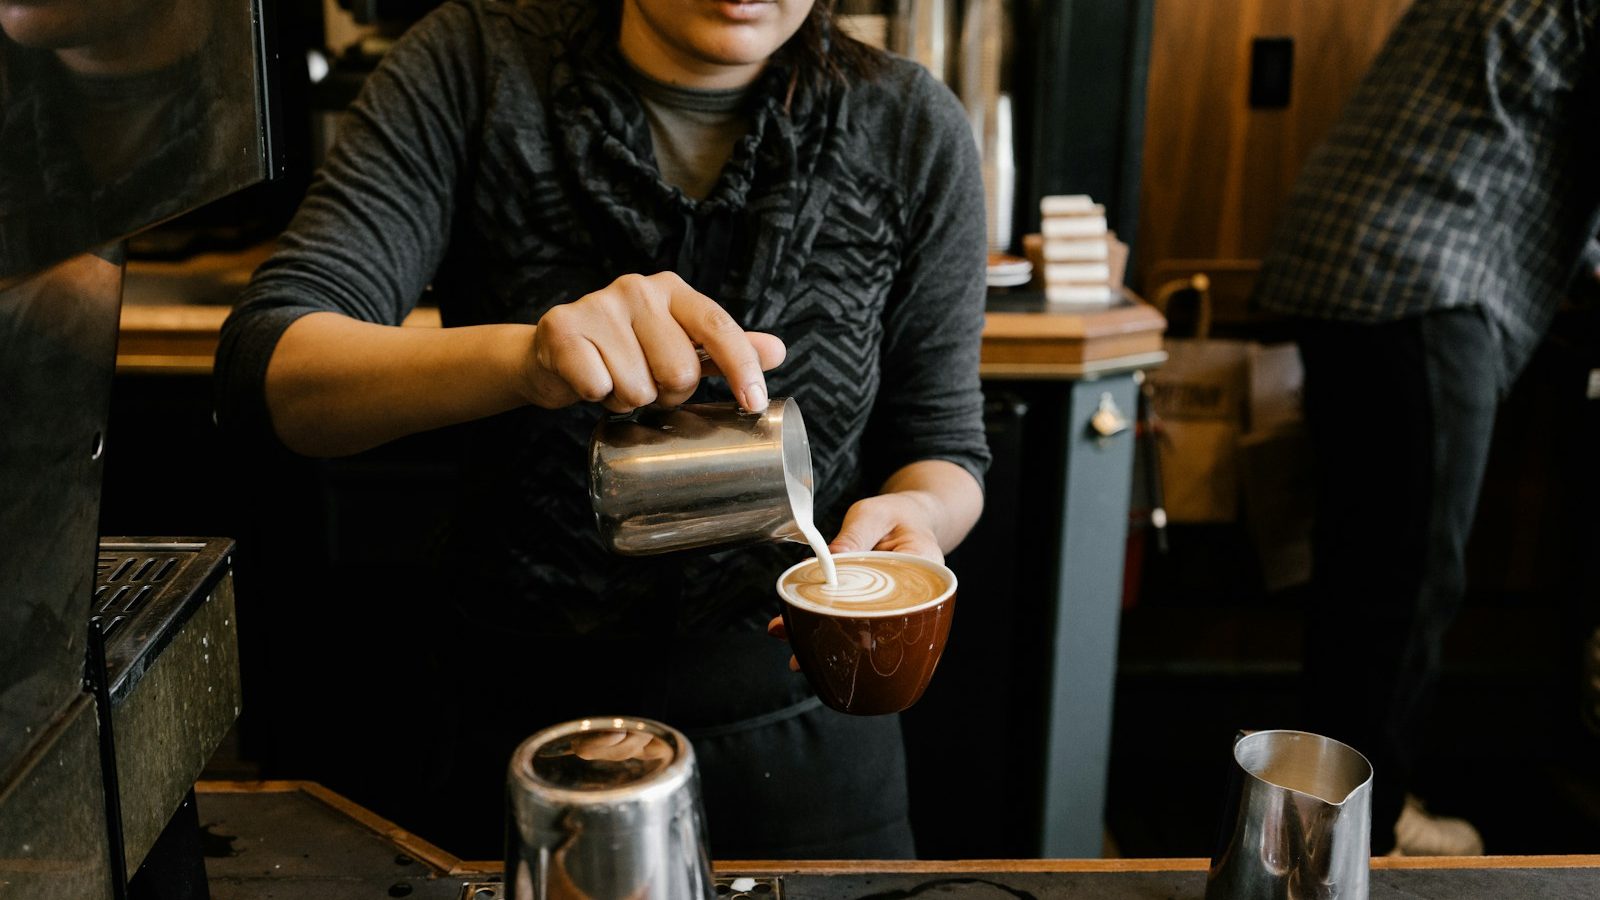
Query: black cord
[[926, 886]]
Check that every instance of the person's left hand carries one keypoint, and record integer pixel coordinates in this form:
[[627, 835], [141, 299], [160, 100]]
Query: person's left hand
[[901, 521], [898, 521]]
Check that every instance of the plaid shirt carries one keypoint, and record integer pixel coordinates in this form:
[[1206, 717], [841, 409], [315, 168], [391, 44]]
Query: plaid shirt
[[1465, 172]]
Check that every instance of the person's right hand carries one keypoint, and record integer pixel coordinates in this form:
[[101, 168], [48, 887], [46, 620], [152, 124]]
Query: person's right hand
[[634, 343]]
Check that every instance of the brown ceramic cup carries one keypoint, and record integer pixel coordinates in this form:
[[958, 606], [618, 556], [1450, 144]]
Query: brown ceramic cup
[[869, 662]]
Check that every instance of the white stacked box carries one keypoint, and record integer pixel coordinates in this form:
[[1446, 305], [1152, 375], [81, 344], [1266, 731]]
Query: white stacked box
[[1076, 251]]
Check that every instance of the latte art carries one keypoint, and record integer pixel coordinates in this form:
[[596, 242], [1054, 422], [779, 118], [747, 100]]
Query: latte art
[[866, 585], [857, 584]]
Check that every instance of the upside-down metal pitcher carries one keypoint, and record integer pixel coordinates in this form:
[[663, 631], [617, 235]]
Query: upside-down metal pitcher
[[1297, 822], [606, 808]]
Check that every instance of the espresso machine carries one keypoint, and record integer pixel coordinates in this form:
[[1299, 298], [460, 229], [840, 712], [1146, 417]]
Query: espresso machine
[[118, 657]]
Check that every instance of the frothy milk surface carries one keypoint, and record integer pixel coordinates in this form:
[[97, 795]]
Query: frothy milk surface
[[866, 585]]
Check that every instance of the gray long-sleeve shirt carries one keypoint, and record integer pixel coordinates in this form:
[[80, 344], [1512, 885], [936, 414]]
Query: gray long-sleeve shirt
[[499, 155]]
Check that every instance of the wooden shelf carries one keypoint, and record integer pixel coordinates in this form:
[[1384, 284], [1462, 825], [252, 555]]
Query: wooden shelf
[[181, 339]]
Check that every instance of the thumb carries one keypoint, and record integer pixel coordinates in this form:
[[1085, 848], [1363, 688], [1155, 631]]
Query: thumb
[[770, 352], [769, 349], [863, 528]]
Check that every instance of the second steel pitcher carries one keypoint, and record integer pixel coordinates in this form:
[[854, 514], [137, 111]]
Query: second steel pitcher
[[1297, 823]]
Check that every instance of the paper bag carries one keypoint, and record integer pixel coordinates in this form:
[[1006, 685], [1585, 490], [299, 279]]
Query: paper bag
[[1198, 395]]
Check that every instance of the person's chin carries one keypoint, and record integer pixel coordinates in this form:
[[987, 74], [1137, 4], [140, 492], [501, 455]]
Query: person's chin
[[738, 49]]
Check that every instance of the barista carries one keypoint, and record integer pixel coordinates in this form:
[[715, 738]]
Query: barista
[[591, 190]]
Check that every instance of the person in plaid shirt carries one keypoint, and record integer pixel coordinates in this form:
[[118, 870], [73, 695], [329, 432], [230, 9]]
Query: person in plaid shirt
[[1422, 254]]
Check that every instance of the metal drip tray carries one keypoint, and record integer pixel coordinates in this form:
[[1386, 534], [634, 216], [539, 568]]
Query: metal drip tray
[[752, 888], [171, 682], [145, 589]]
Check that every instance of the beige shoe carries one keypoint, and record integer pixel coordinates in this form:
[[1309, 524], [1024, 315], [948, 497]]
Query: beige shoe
[[1421, 833]]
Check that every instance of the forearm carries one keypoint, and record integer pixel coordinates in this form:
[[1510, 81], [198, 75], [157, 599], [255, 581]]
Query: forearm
[[950, 497], [337, 385]]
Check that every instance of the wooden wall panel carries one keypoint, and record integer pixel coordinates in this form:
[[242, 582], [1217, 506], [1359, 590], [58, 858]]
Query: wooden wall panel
[[1216, 171]]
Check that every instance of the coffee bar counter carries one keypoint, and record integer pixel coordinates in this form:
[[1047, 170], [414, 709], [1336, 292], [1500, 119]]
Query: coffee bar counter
[[296, 839]]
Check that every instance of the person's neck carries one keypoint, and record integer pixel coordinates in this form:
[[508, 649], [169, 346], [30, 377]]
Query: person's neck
[[653, 56]]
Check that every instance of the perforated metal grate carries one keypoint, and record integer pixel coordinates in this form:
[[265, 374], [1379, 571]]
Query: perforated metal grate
[[127, 579]]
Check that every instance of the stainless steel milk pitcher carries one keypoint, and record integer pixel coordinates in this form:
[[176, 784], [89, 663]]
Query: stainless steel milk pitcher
[[1297, 822], [700, 475], [606, 809]]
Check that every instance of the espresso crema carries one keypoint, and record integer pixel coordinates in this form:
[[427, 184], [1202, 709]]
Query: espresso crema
[[866, 585]]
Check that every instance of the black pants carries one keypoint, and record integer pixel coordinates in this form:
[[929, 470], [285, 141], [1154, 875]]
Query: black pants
[[1400, 416], [782, 776]]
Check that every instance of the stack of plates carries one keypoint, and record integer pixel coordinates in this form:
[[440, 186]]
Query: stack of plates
[[1006, 270]]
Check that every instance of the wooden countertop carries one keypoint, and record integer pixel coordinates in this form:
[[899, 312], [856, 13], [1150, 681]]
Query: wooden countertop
[[172, 312], [181, 340], [297, 835]]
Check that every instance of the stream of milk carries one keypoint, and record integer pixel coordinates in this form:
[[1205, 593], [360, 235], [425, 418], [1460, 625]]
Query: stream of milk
[[800, 502]]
